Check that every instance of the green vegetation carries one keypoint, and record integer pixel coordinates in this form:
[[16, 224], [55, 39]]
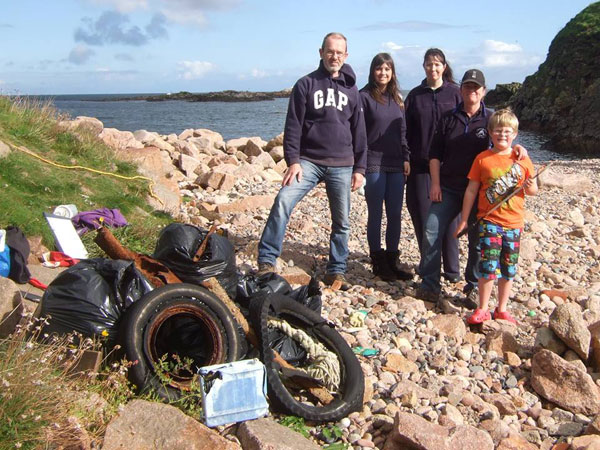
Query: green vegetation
[[329, 434], [30, 186], [44, 404]]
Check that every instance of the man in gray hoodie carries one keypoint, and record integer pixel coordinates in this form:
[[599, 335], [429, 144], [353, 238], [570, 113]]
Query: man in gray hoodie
[[324, 141]]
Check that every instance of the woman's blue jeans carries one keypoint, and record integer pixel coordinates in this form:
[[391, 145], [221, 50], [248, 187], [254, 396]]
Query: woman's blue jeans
[[337, 184], [384, 188], [441, 214]]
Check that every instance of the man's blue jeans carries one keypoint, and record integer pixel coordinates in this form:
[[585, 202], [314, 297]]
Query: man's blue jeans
[[337, 184], [441, 214]]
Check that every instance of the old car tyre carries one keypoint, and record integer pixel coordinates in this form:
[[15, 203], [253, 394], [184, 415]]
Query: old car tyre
[[178, 319], [350, 393]]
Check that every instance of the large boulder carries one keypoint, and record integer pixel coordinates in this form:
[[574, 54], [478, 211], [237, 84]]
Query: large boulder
[[268, 434], [119, 140], [275, 142], [546, 339], [564, 383], [142, 425], [562, 99], [567, 323], [570, 182], [413, 432], [89, 124], [156, 165]]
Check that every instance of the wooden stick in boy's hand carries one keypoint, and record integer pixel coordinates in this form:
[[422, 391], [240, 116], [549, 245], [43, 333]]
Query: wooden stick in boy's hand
[[505, 199]]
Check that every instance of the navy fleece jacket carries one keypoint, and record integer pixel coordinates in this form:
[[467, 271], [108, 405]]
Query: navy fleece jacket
[[325, 123], [424, 107], [386, 131], [457, 141]]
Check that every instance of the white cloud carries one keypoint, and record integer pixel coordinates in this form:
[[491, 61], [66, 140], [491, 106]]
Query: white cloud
[[391, 46], [2, 82], [258, 73], [191, 70], [498, 54], [499, 46], [192, 12], [185, 17], [123, 6]]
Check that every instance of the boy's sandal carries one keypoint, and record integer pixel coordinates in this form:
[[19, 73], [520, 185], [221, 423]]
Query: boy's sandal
[[478, 316], [504, 315]]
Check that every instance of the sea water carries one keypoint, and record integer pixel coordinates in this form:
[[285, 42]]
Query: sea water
[[231, 119]]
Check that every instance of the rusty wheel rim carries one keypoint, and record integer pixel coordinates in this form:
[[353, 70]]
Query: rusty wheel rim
[[209, 326]]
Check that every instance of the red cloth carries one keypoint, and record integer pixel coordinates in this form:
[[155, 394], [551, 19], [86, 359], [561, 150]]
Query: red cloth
[[38, 284], [58, 259]]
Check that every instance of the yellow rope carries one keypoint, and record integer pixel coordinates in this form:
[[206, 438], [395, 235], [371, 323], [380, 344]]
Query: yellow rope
[[324, 365], [89, 169]]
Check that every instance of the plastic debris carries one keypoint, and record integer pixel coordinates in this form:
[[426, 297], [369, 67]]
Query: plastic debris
[[365, 351]]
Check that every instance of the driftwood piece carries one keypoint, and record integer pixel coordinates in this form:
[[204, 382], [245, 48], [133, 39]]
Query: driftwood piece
[[156, 272], [204, 243]]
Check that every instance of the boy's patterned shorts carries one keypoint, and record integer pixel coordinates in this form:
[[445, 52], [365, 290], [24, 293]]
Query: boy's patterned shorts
[[499, 251]]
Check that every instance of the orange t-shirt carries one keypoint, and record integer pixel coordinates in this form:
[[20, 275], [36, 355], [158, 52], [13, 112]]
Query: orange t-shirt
[[499, 176]]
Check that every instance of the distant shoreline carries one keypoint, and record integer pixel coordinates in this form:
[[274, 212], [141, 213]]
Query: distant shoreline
[[221, 96]]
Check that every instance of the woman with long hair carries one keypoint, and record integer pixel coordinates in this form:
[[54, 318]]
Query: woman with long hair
[[387, 165], [425, 104]]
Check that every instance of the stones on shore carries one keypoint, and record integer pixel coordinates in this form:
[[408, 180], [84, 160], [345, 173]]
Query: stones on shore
[[426, 365], [411, 431]]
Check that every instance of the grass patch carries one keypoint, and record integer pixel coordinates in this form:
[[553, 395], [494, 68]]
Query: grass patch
[[31, 186], [42, 404]]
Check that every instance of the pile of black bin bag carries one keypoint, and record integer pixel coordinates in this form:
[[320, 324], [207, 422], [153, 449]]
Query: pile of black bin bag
[[91, 296]]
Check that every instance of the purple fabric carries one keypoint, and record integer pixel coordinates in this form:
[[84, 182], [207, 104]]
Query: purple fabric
[[90, 220], [386, 132]]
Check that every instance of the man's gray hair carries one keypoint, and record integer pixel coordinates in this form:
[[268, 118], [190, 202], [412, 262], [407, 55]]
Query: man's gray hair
[[337, 35]]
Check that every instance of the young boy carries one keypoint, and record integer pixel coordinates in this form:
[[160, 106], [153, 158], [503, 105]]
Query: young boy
[[495, 174]]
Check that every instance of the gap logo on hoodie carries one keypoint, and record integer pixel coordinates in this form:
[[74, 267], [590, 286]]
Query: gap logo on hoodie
[[330, 100]]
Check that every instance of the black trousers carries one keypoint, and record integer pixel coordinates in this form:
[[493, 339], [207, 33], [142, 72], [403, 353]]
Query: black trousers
[[418, 203]]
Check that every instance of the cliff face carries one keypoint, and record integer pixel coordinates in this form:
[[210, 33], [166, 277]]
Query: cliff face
[[562, 99]]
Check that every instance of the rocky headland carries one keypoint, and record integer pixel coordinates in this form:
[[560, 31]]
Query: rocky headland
[[433, 383], [501, 95], [562, 99], [220, 96]]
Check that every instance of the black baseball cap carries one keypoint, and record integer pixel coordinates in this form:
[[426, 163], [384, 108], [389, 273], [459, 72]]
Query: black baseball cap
[[473, 76]]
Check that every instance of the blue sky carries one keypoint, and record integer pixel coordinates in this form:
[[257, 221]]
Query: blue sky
[[135, 46]]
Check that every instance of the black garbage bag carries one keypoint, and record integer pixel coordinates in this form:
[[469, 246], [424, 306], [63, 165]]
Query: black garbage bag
[[273, 283], [177, 245], [251, 286], [91, 296]]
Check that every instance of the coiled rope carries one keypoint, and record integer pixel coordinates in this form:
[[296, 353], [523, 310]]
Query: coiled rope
[[324, 365], [89, 169]]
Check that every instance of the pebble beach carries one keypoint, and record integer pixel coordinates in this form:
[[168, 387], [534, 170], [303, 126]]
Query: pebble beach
[[427, 362]]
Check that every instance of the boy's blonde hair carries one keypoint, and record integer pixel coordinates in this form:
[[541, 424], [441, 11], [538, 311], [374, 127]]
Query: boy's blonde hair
[[503, 118]]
